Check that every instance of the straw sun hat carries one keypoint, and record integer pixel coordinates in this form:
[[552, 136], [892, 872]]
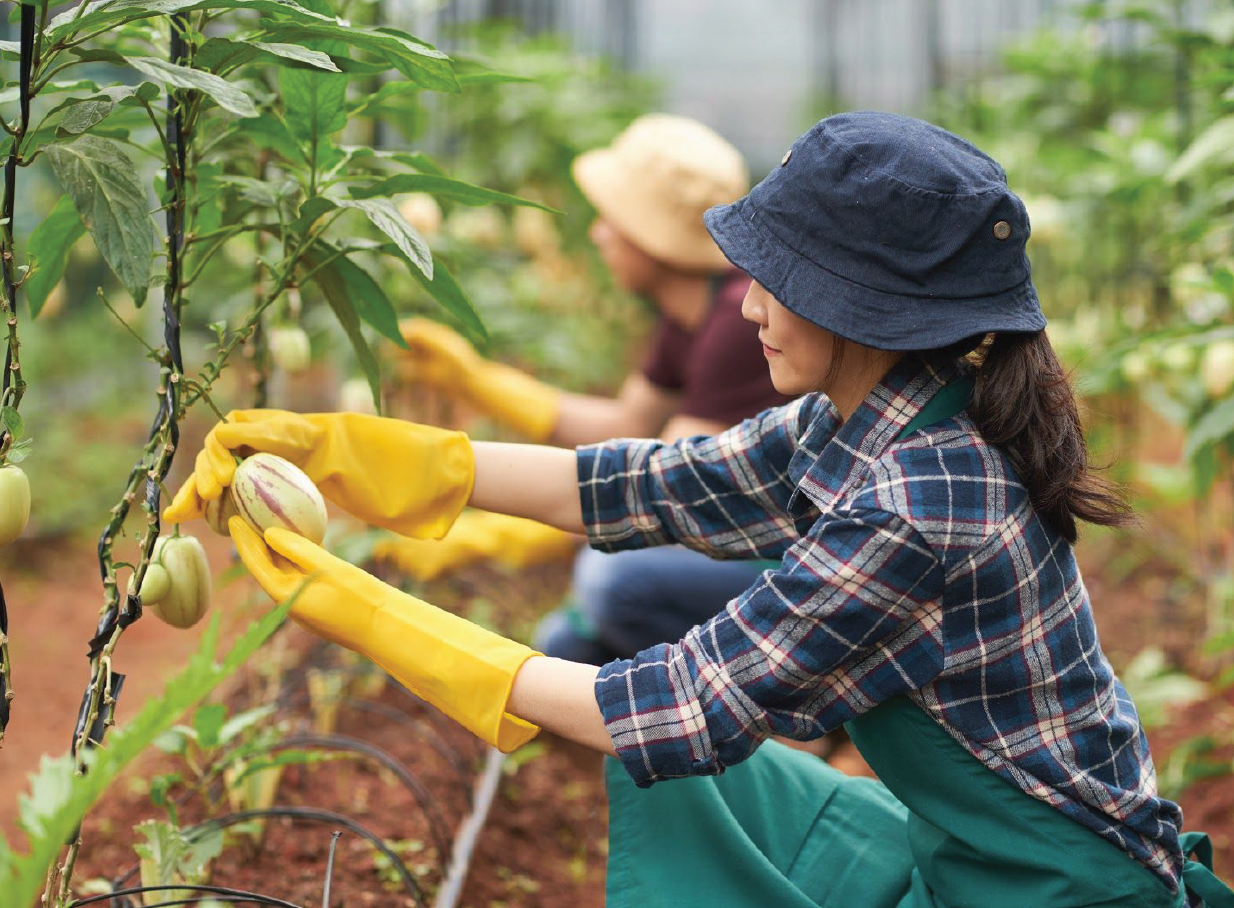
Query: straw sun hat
[[656, 180]]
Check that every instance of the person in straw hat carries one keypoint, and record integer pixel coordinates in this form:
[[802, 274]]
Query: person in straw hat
[[922, 496], [702, 373]]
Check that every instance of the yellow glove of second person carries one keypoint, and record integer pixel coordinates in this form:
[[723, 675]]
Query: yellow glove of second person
[[459, 667], [478, 536], [406, 477], [443, 359]]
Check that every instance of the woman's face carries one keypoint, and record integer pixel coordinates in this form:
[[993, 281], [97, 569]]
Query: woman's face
[[799, 353], [632, 268]]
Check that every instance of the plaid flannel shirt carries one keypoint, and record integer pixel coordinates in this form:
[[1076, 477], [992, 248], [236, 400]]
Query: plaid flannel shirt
[[915, 567]]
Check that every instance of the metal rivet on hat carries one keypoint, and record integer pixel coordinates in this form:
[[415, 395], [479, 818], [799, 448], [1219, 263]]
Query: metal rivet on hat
[[784, 160], [1002, 230]]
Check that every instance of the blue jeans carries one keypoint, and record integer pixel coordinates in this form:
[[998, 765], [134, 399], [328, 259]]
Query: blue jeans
[[624, 602]]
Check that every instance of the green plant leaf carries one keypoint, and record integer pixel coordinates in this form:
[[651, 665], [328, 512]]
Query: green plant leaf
[[98, 13], [1214, 146], [12, 421], [310, 211], [242, 722], [48, 252], [259, 192], [385, 216], [443, 187], [345, 294], [419, 62], [20, 450], [208, 722], [12, 93], [314, 58], [81, 115], [284, 758], [272, 133], [169, 857], [111, 202], [446, 290], [59, 798], [1214, 426], [316, 106], [218, 54], [226, 95], [368, 299]]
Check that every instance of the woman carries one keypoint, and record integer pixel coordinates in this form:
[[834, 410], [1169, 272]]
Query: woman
[[927, 596]]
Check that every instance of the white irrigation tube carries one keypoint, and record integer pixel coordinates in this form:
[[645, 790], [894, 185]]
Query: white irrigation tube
[[469, 831]]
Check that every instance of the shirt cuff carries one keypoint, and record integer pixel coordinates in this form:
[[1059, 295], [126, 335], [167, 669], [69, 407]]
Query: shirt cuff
[[654, 717]]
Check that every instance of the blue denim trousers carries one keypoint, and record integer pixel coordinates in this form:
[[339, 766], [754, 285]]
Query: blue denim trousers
[[624, 602]]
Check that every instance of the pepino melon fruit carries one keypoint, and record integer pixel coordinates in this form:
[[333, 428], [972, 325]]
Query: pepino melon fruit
[[268, 491]]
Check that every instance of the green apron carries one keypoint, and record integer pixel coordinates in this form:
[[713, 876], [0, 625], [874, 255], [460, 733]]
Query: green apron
[[939, 830]]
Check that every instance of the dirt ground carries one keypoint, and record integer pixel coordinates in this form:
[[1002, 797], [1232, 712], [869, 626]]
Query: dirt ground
[[544, 842]]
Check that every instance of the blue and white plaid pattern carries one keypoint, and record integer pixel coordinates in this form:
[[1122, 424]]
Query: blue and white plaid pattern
[[914, 567]]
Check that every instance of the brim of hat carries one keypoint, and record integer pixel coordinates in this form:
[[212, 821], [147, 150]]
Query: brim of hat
[[624, 200], [875, 318]]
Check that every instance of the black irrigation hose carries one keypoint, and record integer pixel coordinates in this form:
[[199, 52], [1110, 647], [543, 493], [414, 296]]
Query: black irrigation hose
[[428, 734], [312, 815], [418, 729], [440, 721], [422, 795], [306, 814], [232, 894]]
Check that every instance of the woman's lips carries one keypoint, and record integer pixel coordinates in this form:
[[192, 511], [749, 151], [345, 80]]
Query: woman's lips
[[769, 350]]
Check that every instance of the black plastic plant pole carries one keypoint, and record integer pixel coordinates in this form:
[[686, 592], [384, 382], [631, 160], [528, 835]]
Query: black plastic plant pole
[[99, 700], [12, 387]]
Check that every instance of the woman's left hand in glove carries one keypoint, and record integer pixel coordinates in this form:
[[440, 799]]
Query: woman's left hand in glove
[[464, 670]]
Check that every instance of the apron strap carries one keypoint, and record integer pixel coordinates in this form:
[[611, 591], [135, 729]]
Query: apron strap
[[1198, 875], [951, 399]]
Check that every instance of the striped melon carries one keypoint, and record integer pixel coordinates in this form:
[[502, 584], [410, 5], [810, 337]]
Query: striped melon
[[269, 491]]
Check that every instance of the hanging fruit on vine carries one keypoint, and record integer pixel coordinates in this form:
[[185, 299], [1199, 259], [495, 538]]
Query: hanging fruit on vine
[[176, 586], [14, 503], [290, 349], [1217, 368]]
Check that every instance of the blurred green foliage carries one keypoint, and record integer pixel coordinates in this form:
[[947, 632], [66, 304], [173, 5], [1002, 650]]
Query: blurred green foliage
[[536, 280], [1117, 128]]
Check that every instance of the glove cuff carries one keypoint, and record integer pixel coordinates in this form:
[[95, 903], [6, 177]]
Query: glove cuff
[[462, 669], [515, 399]]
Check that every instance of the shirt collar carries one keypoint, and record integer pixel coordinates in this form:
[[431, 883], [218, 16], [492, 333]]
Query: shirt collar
[[829, 461]]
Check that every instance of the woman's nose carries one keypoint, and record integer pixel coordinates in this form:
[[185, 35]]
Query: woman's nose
[[752, 307]]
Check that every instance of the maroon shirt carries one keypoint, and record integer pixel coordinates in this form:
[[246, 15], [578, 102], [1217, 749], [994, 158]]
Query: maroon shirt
[[718, 369]]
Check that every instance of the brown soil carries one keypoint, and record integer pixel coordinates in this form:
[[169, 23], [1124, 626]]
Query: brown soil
[[544, 841]]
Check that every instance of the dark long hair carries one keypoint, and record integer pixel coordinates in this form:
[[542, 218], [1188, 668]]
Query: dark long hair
[[1023, 403]]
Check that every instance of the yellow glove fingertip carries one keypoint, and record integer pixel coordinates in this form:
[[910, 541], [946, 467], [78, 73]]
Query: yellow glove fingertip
[[257, 558], [217, 461], [293, 547], [185, 505]]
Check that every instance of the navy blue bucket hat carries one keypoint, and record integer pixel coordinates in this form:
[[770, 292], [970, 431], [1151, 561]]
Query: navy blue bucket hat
[[888, 231]]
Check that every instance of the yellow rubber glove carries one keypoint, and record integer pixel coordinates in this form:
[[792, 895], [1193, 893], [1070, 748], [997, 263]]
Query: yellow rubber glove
[[442, 359], [459, 667], [406, 477], [514, 542]]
